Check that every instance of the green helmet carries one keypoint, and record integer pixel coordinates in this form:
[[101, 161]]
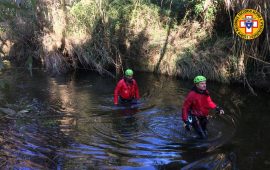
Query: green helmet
[[128, 72], [199, 79]]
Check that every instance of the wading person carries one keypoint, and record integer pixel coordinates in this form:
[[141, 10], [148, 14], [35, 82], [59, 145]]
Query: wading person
[[126, 90], [196, 107]]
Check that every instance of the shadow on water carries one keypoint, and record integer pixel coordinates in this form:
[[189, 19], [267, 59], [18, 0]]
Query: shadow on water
[[71, 123]]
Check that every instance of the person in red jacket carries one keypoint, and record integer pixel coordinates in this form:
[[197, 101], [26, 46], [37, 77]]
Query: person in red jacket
[[127, 90], [196, 107]]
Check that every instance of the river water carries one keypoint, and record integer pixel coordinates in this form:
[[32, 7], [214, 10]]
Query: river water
[[70, 122]]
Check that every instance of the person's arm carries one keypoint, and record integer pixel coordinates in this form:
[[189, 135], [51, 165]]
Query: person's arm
[[186, 107], [137, 95], [212, 105], [116, 92]]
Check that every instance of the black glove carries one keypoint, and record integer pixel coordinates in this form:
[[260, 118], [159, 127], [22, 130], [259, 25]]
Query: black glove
[[219, 110], [187, 125]]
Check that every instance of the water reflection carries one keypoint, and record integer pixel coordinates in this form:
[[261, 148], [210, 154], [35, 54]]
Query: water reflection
[[73, 124]]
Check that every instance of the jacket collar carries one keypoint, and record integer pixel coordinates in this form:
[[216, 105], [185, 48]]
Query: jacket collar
[[204, 92], [127, 82]]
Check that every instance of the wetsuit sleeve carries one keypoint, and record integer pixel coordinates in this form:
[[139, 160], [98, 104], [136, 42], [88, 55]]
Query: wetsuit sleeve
[[116, 92], [186, 107], [137, 95], [211, 104]]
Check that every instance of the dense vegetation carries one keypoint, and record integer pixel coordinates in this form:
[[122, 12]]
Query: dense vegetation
[[174, 37]]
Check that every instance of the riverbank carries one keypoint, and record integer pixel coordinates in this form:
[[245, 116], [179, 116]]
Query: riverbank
[[145, 36]]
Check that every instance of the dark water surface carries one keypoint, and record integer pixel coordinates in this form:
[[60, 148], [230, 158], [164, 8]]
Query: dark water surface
[[70, 122]]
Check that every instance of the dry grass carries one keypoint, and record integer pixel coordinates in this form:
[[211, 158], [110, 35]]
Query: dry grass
[[76, 43], [214, 62], [252, 55], [55, 62], [98, 37], [191, 51]]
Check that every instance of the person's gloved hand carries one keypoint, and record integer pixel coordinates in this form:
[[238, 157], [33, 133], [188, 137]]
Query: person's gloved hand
[[219, 110], [187, 125]]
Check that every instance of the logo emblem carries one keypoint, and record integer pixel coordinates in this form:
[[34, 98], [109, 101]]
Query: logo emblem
[[248, 24]]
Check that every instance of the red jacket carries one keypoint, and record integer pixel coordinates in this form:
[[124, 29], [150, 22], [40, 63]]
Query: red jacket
[[198, 103], [126, 90]]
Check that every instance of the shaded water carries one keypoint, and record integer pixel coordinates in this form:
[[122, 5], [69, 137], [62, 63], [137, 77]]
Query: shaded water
[[71, 123]]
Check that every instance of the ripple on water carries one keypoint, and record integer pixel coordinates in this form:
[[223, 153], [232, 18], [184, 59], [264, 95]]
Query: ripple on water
[[87, 131]]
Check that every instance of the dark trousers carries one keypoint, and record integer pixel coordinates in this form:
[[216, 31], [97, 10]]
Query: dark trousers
[[199, 123], [125, 101]]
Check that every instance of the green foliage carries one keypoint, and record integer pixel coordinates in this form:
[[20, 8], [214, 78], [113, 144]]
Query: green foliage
[[2, 30], [8, 5], [19, 26], [34, 4], [110, 27], [198, 8], [147, 15], [210, 11], [7, 10], [187, 10], [85, 14], [117, 13], [172, 8]]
